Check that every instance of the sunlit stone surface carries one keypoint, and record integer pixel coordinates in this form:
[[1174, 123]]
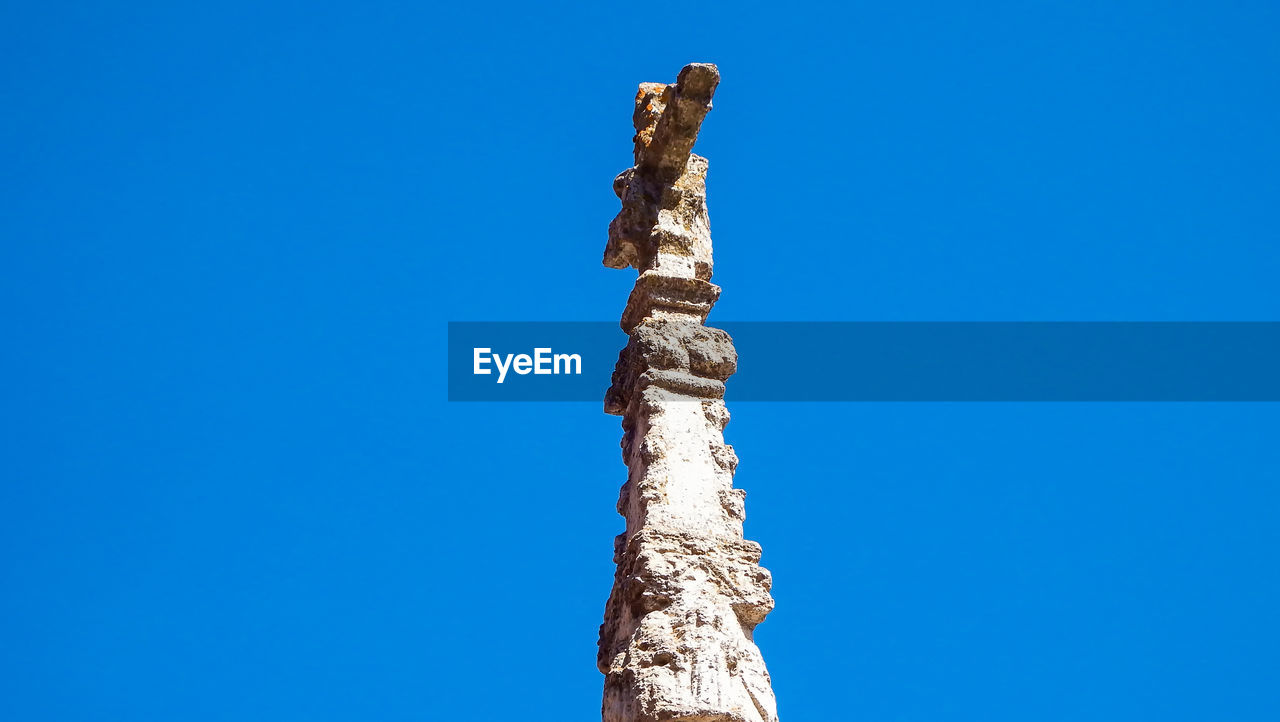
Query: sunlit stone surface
[[676, 643]]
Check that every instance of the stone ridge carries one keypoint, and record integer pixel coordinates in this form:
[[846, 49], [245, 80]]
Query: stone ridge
[[676, 643]]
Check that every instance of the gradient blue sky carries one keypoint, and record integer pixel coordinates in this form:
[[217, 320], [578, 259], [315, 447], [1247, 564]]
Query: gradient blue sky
[[233, 233]]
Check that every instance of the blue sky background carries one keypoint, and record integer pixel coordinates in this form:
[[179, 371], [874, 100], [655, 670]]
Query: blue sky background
[[233, 234]]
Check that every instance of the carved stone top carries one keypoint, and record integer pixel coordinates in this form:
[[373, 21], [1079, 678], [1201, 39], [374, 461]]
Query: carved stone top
[[668, 118], [663, 231], [663, 224]]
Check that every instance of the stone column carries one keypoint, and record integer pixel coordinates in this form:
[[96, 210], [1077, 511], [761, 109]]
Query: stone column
[[676, 643]]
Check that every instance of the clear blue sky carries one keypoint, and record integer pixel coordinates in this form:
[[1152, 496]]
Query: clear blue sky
[[233, 234]]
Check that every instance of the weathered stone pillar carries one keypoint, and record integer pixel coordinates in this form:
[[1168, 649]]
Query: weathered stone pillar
[[676, 643]]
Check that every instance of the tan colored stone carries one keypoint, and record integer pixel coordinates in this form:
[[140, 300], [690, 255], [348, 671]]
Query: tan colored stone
[[676, 643]]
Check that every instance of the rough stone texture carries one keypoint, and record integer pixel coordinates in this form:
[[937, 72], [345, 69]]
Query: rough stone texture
[[676, 643]]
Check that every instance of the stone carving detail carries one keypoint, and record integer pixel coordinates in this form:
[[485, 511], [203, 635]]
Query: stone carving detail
[[676, 643]]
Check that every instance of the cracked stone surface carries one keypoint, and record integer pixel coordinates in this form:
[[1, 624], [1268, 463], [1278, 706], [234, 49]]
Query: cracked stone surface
[[676, 643]]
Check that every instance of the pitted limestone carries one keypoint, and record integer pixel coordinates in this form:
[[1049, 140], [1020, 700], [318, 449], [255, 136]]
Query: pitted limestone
[[676, 643]]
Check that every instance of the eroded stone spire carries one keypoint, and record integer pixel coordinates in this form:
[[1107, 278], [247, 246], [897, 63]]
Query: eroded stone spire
[[676, 643]]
